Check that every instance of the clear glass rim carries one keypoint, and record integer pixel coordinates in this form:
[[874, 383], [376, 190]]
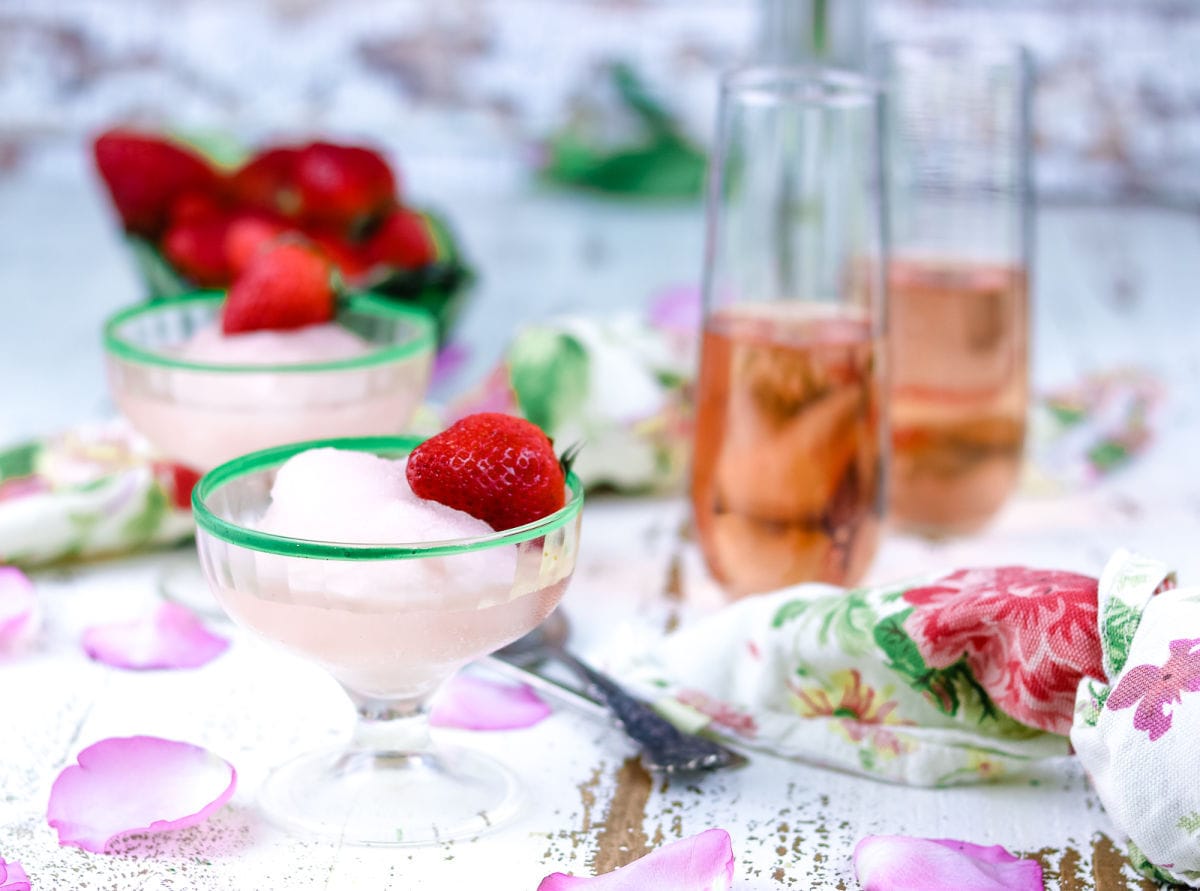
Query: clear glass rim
[[422, 339], [389, 446], [798, 85]]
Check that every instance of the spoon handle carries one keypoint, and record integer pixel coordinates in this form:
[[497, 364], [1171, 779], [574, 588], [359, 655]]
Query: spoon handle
[[664, 747]]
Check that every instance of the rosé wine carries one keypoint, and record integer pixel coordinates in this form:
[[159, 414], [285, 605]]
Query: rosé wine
[[787, 477], [958, 342]]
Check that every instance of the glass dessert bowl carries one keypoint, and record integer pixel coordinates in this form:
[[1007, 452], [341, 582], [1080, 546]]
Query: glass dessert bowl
[[202, 398], [201, 404], [390, 620]]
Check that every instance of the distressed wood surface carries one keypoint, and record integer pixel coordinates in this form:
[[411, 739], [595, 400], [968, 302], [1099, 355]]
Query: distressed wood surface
[[1114, 287]]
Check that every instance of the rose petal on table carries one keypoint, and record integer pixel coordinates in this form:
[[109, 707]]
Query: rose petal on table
[[12, 876], [904, 863], [468, 702], [702, 862], [170, 637], [136, 784], [17, 602]]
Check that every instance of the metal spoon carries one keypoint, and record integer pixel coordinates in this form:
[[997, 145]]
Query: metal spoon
[[664, 746]]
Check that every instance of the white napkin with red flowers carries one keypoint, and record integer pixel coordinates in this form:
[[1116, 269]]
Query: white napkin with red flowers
[[968, 677]]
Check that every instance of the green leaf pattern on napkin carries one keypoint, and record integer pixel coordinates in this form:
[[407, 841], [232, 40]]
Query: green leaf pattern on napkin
[[835, 678]]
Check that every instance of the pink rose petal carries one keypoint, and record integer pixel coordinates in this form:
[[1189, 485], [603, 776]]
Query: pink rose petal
[[679, 309], [471, 703], [448, 362], [17, 600], [136, 784], [904, 863], [12, 876], [170, 637], [703, 862]]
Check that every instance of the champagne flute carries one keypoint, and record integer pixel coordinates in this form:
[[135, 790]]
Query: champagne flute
[[960, 201], [788, 468]]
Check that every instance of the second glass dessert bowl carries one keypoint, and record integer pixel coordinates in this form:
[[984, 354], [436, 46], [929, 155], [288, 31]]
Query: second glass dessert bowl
[[200, 407], [201, 412], [391, 623]]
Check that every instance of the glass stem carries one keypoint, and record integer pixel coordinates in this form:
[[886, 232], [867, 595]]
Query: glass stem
[[391, 727]]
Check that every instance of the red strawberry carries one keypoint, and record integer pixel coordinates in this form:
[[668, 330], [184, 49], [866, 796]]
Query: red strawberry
[[183, 480], [196, 207], [267, 182], [402, 241], [249, 233], [145, 174], [341, 185], [286, 286], [350, 259], [197, 249], [496, 467]]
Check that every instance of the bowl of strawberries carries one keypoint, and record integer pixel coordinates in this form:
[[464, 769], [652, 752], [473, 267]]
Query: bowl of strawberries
[[194, 224]]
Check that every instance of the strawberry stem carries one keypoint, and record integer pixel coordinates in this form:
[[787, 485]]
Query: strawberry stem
[[567, 459]]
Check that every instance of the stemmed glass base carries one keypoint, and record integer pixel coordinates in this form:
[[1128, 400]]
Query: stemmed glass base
[[391, 786]]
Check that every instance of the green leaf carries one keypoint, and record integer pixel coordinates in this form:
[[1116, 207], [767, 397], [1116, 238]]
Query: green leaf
[[440, 288], [160, 277], [220, 147], [1120, 624], [659, 161], [142, 525], [848, 619], [549, 372], [852, 621], [633, 92], [1107, 454], [866, 759], [665, 167], [904, 657], [1089, 713], [1066, 415], [949, 689], [955, 688], [790, 610], [1142, 864], [19, 460]]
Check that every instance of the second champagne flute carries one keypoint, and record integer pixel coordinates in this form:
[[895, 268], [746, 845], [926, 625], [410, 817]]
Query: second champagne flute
[[788, 473], [959, 147]]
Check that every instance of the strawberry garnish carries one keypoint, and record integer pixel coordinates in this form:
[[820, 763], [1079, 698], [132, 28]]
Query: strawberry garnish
[[342, 185], [402, 241], [145, 174], [498, 468], [287, 285]]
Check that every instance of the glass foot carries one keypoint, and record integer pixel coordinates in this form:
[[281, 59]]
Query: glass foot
[[380, 798], [181, 581]]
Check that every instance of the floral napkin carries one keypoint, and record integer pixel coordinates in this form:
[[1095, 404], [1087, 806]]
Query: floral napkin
[[618, 385], [967, 677], [1092, 428], [1138, 733], [95, 490]]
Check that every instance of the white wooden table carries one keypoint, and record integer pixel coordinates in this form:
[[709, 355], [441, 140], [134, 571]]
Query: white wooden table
[[1114, 286]]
